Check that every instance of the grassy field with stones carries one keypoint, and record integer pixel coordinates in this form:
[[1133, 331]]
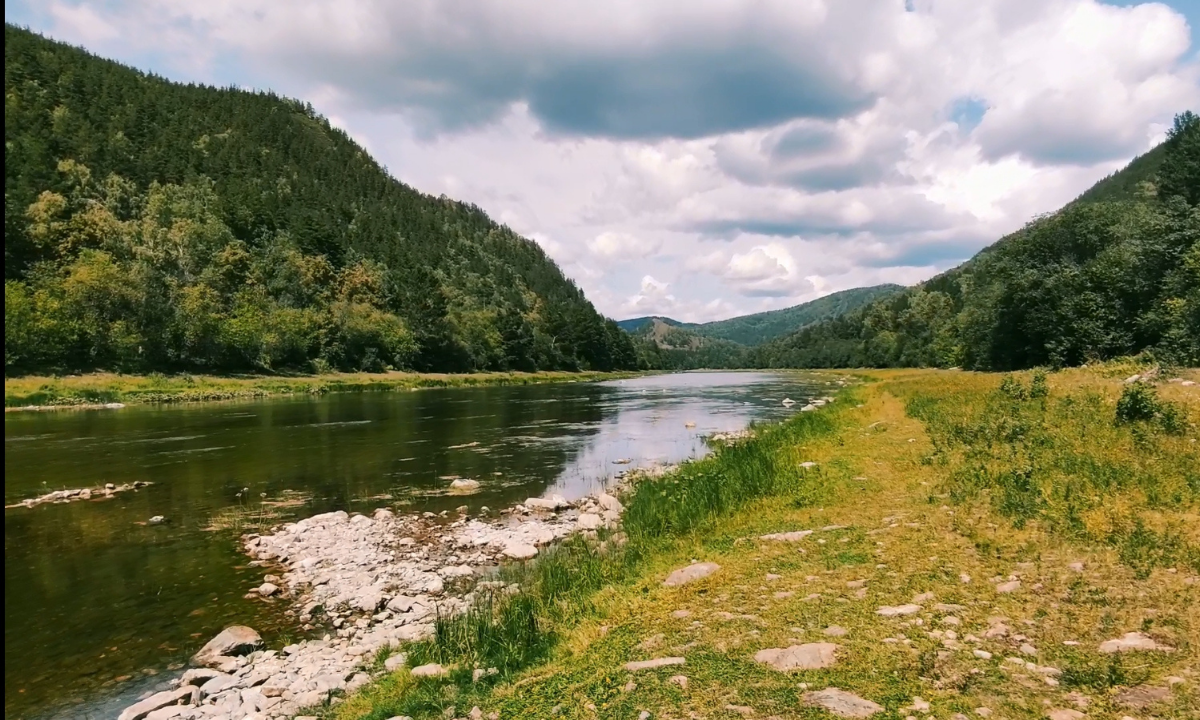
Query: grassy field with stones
[[934, 544]]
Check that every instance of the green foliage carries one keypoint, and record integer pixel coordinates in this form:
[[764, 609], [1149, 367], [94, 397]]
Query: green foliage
[[1114, 273], [1139, 403], [156, 226]]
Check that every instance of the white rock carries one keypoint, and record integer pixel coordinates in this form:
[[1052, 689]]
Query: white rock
[[895, 610], [655, 663], [430, 670], [179, 696], [233, 640], [267, 589], [1008, 587], [809, 656], [691, 573], [464, 484], [1130, 642], [520, 551], [590, 521], [610, 503], [793, 536], [841, 703]]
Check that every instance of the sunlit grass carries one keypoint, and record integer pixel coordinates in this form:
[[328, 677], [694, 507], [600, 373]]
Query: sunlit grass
[[934, 477]]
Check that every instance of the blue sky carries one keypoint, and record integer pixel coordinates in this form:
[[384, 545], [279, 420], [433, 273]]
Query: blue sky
[[712, 158]]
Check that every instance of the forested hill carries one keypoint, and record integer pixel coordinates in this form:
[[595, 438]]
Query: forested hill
[[151, 225], [1115, 272], [761, 327]]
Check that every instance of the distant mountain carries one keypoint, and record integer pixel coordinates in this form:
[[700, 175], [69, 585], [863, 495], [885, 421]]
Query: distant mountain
[[633, 325], [151, 225], [760, 327], [1114, 272]]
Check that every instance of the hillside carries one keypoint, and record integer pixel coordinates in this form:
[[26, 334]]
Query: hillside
[[1115, 272], [640, 323], [761, 327], [151, 225]]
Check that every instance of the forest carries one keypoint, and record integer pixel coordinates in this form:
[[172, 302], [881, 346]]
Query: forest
[[157, 226], [1116, 272]]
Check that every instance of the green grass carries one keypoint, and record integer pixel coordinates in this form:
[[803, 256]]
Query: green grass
[[100, 388]]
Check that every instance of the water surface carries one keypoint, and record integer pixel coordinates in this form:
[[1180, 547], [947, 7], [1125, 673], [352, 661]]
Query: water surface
[[100, 605]]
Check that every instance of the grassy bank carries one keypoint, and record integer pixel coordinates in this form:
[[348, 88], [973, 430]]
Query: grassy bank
[[100, 388], [931, 487]]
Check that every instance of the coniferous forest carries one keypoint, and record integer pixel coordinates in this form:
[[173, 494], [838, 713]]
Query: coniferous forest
[[152, 225]]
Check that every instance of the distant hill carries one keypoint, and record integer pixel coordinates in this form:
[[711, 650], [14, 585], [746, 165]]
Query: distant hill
[[761, 327], [758, 327], [153, 225], [1114, 272], [633, 325]]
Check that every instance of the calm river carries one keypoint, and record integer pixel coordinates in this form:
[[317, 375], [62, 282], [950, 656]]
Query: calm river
[[101, 606]]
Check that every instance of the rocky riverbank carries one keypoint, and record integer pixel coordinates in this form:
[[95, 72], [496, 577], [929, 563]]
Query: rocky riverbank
[[373, 582]]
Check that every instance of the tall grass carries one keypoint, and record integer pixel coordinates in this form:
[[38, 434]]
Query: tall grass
[[1073, 460]]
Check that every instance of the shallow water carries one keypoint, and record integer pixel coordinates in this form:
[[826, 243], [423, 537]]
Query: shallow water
[[100, 606]]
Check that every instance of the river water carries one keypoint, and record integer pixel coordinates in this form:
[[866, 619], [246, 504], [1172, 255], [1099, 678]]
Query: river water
[[101, 606]]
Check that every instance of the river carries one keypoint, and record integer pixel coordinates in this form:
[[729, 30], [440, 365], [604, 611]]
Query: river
[[101, 605]]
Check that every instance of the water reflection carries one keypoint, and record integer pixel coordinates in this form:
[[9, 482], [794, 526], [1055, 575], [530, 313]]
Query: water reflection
[[95, 599]]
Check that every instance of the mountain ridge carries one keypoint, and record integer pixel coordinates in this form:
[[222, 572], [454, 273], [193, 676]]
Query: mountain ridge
[[155, 225]]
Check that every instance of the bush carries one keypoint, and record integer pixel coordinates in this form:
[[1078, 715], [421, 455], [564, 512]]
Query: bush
[[1139, 403]]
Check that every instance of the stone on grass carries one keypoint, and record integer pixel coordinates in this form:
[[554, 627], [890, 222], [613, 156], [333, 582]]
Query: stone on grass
[[1141, 697], [809, 656], [841, 703], [395, 662], [432, 670], [681, 614], [685, 575], [793, 536], [232, 641], [895, 610], [1010, 586], [178, 696], [1065, 714], [680, 680], [834, 631], [1132, 641], [655, 663]]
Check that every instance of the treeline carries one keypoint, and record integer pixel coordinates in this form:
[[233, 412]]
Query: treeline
[[1116, 272], [151, 225]]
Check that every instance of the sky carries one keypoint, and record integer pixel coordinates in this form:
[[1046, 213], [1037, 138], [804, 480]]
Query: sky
[[708, 158]]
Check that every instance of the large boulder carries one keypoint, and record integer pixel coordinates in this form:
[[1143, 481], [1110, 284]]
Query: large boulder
[[232, 641]]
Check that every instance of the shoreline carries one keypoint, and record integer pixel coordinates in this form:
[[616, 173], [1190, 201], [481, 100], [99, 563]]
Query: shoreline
[[109, 391], [374, 582]]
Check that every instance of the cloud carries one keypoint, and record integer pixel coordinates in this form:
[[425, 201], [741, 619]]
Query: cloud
[[745, 155], [618, 246]]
